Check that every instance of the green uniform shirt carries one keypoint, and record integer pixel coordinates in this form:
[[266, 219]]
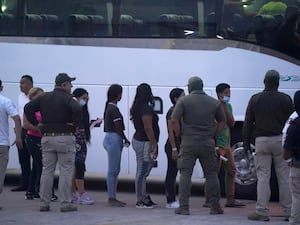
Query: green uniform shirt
[[223, 141], [198, 112]]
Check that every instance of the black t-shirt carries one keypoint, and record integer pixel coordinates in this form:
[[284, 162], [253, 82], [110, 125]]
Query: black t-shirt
[[111, 116], [140, 133], [292, 141]]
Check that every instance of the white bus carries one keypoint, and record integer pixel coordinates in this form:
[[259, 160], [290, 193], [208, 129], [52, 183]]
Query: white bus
[[160, 42]]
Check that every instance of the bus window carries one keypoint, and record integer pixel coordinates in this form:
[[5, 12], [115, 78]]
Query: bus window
[[156, 18], [8, 15], [76, 18], [258, 22]]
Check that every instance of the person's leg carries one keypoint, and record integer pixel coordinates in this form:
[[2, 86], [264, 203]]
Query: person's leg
[[263, 161], [49, 159], [141, 171], [65, 147], [147, 150], [208, 160], [282, 173], [230, 172], [170, 180], [34, 146], [113, 145], [295, 189], [185, 164], [24, 160], [4, 155]]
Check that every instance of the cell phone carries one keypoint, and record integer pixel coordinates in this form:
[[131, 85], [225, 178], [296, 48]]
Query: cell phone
[[97, 124]]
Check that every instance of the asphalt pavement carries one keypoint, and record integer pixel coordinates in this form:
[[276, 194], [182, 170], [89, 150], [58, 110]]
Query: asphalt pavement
[[18, 211]]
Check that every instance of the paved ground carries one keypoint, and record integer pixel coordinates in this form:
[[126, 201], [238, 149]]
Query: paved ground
[[18, 211]]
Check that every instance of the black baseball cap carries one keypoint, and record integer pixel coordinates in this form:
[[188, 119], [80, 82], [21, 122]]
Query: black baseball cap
[[62, 78]]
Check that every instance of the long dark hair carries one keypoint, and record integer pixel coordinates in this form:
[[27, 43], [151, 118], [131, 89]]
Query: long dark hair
[[113, 93], [143, 96], [77, 93]]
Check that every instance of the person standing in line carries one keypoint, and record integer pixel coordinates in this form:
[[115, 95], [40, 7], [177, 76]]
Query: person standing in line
[[61, 114], [199, 114], [224, 149], [266, 115], [292, 157], [172, 147], [144, 141], [26, 83], [33, 143], [83, 136], [7, 109], [114, 141]]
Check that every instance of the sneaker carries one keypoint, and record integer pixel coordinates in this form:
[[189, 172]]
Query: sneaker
[[143, 205], [44, 208], [172, 205], [75, 198], [68, 208], [36, 195], [112, 202], [215, 210], [235, 203], [84, 199], [206, 205], [182, 211], [150, 200], [258, 217], [28, 196], [54, 197]]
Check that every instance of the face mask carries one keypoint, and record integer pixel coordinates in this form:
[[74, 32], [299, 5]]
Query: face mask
[[82, 102], [226, 99]]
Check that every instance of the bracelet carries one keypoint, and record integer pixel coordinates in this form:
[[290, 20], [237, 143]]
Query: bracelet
[[174, 149]]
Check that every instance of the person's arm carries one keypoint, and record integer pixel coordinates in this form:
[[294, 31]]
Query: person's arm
[[18, 131], [120, 131], [228, 113], [29, 111], [27, 125], [147, 122], [171, 137], [221, 120], [288, 145]]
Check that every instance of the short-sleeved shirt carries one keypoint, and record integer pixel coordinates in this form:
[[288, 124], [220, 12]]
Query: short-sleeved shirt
[[199, 113], [112, 115], [273, 8], [7, 109], [223, 140], [140, 133], [22, 101], [292, 141]]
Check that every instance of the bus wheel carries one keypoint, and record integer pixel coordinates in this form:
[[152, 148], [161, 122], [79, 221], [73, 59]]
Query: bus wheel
[[246, 179]]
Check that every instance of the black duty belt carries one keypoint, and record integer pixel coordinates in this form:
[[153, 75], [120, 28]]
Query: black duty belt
[[58, 134]]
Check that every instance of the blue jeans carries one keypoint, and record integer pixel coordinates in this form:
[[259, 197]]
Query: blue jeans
[[113, 144], [144, 164]]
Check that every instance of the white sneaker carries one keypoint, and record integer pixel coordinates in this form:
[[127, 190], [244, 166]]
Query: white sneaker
[[172, 205], [84, 199], [75, 198]]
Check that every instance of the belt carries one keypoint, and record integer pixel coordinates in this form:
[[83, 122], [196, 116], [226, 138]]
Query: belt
[[58, 134]]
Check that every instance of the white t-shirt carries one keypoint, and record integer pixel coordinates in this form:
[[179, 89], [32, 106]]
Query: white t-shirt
[[7, 109], [22, 101], [293, 116]]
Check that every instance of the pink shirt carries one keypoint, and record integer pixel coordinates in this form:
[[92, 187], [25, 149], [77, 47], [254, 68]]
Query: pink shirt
[[38, 116]]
